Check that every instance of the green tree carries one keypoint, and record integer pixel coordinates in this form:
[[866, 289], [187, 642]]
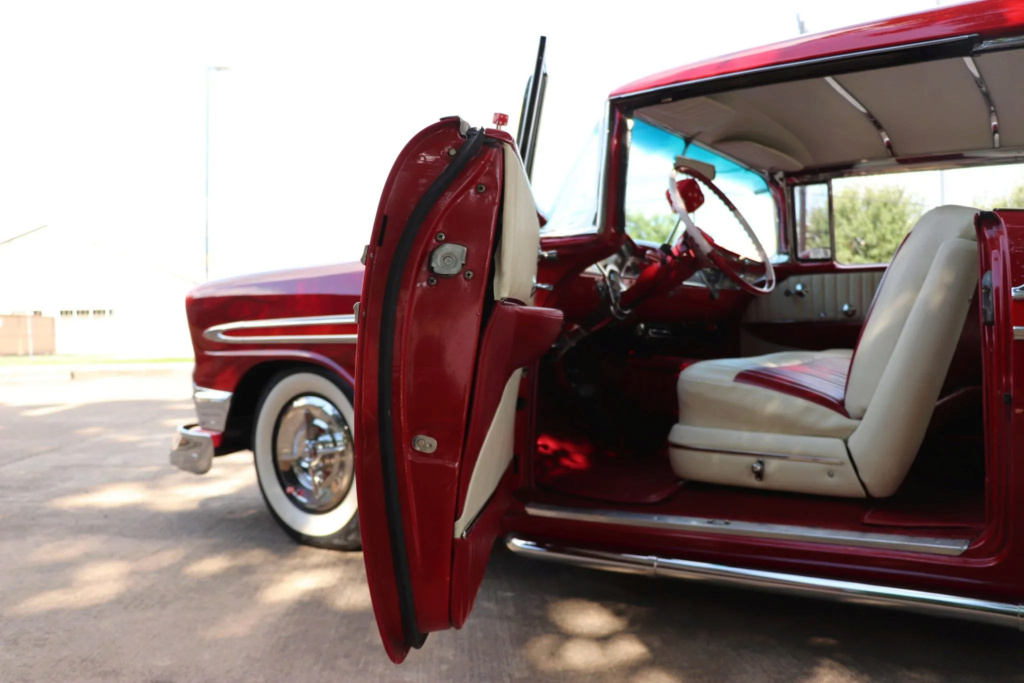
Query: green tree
[[657, 229], [870, 222]]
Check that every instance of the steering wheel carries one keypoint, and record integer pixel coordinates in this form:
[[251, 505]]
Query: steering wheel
[[732, 264]]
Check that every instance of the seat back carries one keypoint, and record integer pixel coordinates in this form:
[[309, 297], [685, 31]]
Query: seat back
[[896, 296], [515, 268], [907, 344]]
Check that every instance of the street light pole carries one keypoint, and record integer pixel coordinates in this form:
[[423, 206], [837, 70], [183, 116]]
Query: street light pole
[[207, 189]]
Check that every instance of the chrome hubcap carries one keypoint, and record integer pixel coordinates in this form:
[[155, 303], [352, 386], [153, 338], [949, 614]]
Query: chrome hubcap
[[313, 454]]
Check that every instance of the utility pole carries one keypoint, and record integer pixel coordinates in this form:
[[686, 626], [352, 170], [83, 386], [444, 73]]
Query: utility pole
[[209, 69]]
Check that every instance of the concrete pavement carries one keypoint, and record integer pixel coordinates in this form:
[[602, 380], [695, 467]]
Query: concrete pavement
[[114, 566]]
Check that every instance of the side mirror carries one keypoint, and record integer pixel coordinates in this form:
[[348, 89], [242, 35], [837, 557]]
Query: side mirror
[[691, 193]]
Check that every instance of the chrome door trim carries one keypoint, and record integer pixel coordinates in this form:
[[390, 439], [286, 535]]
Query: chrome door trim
[[921, 602], [726, 527], [1018, 333], [220, 333]]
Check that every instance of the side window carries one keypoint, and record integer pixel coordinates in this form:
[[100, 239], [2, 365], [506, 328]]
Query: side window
[[812, 218], [575, 208], [863, 219], [872, 216]]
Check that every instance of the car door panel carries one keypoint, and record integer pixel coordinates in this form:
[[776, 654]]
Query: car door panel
[[811, 311], [440, 344]]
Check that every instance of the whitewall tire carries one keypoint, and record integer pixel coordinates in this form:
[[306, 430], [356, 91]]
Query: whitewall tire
[[302, 447]]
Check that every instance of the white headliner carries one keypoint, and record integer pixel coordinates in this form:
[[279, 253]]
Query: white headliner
[[925, 108]]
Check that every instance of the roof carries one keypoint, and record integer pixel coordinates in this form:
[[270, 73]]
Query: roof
[[989, 19]]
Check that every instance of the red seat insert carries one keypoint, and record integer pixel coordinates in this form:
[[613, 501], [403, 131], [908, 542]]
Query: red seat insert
[[821, 380]]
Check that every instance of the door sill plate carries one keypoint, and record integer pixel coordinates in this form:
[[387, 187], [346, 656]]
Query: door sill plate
[[785, 532]]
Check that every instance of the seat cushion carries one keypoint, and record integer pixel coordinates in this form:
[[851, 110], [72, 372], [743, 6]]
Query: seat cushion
[[792, 392]]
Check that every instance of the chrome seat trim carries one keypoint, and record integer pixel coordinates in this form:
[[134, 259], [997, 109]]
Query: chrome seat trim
[[821, 460], [921, 602], [702, 525], [220, 333]]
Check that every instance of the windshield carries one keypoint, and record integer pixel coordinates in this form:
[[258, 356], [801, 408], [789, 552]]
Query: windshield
[[649, 218]]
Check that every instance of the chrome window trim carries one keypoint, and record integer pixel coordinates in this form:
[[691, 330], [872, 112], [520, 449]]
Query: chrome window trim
[[785, 532], [998, 44], [220, 333], [921, 602]]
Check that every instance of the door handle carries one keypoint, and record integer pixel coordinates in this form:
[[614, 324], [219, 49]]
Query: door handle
[[798, 290]]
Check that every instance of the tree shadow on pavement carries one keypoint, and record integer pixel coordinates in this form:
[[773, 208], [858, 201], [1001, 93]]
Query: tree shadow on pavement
[[113, 565]]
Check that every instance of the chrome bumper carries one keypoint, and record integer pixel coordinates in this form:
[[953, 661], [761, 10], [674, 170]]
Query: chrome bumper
[[212, 407], [192, 450]]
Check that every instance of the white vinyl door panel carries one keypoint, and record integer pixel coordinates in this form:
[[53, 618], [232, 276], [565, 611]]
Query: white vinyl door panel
[[818, 297]]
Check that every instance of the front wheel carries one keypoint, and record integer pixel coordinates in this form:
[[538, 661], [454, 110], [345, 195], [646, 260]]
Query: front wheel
[[305, 461]]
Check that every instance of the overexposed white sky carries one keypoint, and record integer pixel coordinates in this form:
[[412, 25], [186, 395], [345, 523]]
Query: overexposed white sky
[[103, 129]]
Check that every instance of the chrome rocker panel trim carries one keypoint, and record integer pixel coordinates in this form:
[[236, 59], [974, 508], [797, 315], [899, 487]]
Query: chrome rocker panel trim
[[921, 602], [786, 532], [192, 450], [219, 333]]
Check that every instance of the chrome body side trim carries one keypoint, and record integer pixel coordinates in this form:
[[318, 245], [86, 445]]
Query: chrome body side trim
[[220, 333], [725, 527], [762, 454], [1017, 293], [192, 450], [855, 103], [993, 118], [1018, 333], [212, 407], [921, 602]]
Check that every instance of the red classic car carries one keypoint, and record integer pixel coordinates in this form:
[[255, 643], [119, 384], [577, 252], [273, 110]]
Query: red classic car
[[274, 365], [766, 338]]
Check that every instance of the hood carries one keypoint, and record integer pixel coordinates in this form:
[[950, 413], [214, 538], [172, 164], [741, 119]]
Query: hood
[[336, 279]]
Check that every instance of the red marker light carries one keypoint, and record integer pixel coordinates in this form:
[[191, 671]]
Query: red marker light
[[500, 120]]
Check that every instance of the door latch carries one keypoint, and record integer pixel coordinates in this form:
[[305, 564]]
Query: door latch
[[448, 259], [988, 304]]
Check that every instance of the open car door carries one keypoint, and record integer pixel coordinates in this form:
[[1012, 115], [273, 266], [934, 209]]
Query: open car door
[[446, 326]]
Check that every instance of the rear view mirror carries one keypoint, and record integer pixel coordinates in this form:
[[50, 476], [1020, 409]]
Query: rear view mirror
[[705, 169]]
